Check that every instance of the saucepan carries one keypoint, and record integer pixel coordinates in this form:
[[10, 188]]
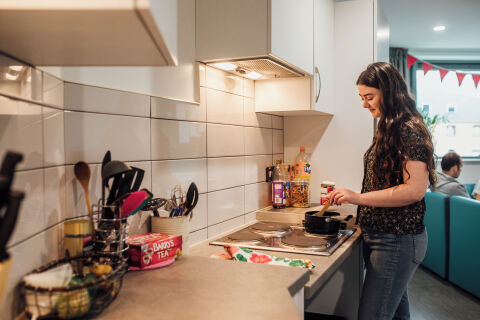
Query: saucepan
[[328, 224]]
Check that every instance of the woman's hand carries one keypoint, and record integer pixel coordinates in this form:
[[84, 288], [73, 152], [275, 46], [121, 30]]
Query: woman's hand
[[342, 195]]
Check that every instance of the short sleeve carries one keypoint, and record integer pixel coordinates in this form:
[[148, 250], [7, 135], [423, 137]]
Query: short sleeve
[[415, 146]]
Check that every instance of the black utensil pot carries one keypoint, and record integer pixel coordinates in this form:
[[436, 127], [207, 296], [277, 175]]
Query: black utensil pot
[[326, 225]]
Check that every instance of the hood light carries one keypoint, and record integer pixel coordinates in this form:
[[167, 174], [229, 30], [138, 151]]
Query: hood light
[[253, 75], [439, 28], [9, 76], [227, 66], [16, 68]]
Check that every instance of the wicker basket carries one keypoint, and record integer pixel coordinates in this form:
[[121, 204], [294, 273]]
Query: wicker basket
[[85, 297]]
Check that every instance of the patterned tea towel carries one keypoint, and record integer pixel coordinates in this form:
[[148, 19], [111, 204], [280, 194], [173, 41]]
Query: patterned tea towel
[[248, 255]]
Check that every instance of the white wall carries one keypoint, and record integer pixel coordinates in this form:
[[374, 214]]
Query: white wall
[[338, 143], [169, 82]]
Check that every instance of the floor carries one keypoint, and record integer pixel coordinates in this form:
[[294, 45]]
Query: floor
[[432, 298]]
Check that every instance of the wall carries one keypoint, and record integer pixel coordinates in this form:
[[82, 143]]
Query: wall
[[337, 143], [221, 144]]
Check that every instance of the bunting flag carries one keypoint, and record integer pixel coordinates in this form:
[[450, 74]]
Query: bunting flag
[[476, 78], [426, 67], [460, 77], [443, 73], [411, 61]]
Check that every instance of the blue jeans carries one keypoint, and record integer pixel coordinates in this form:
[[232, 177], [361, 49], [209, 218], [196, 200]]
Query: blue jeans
[[391, 260]]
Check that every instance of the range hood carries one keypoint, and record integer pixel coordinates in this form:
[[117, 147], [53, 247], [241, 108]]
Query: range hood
[[258, 68]]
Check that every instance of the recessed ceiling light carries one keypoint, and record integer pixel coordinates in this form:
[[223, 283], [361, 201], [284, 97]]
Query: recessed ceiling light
[[253, 75], [227, 66], [438, 28]]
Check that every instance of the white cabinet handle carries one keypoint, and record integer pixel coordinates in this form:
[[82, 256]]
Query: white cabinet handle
[[319, 84]]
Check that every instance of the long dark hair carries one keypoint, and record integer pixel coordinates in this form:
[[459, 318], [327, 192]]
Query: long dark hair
[[396, 108]]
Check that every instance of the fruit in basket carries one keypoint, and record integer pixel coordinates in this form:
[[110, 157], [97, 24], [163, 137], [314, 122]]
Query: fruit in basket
[[72, 304], [100, 269]]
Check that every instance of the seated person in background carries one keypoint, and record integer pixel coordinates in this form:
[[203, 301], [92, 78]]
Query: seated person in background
[[476, 191], [446, 180]]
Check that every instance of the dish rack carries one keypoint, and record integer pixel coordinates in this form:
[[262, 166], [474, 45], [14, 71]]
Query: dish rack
[[84, 297]]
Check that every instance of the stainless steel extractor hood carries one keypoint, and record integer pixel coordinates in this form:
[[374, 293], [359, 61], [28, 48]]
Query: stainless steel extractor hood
[[257, 68]]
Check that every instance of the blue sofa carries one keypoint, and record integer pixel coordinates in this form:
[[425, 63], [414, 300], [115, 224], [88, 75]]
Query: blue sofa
[[464, 261], [436, 223]]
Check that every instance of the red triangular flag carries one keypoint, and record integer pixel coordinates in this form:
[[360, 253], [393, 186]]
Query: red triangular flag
[[426, 67], [460, 77], [411, 61], [443, 73], [476, 79]]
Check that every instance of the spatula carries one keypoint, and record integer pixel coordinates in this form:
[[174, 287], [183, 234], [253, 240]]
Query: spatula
[[321, 212]]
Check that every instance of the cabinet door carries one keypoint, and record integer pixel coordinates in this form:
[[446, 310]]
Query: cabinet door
[[291, 32], [323, 57]]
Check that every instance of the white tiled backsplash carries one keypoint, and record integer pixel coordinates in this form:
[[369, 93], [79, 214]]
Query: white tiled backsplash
[[222, 145]]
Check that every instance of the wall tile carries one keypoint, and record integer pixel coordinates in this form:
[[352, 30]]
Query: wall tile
[[21, 131], [215, 230], [94, 99], [249, 217], [53, 137], [173, 139], [200, 213], [53, 90], [277, 141], [179, 110], [249, 88], [31, 84], [225, 173], [29, 255], [89, 135], [224, 140], [198, 236], [280, 156], [31, 218], [255, 168], [225, 204], [257, 196], [11, 87], [253, 118], [54, 197], [277, 122], [202, 74], [258, 141], [167, 174], [224, 107], [223, 81], [74, 194]]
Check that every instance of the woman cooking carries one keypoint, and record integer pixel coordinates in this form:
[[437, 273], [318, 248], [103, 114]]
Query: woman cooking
[[398, 167]]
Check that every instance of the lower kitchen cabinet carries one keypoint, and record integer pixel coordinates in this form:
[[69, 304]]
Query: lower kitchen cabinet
[[340, 295]]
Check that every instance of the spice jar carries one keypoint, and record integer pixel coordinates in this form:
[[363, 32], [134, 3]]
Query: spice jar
[[77, 233]]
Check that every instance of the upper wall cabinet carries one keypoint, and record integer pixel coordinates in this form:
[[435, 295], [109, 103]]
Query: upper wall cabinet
[[307, 95], [260, 35], [90, 32]]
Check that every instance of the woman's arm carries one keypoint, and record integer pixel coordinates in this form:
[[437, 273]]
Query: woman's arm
[[412, 190]]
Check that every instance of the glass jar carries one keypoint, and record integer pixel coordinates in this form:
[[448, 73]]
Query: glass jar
[[300, 193]]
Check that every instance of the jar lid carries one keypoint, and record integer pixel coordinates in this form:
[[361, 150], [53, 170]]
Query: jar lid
[[78, 227]]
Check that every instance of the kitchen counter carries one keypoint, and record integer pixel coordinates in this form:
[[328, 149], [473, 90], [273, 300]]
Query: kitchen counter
[[199, 287], [196, 287]]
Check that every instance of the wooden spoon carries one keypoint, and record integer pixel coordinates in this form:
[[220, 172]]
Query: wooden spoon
[[82, 173], [321, 212]]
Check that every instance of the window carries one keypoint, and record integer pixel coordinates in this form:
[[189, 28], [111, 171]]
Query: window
[[451, 131], [476, 130], [457, 107]]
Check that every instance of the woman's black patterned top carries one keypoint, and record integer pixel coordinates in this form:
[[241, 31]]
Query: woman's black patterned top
[[396, 220]]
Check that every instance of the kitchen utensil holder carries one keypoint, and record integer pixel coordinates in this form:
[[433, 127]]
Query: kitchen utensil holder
[[77, 301], [110, 234], [174, 225]]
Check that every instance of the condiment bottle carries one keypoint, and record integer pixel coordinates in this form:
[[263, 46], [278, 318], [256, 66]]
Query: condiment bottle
[[301, 183], [278, 186]]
